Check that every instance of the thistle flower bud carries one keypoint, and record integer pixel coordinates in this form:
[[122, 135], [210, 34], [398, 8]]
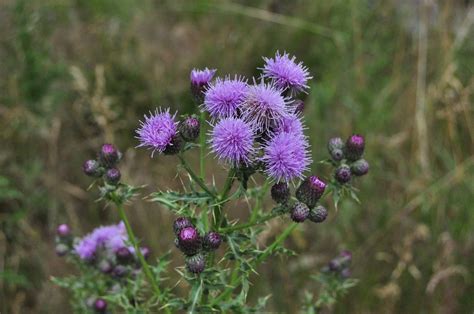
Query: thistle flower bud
[[189, 241], [112, 176], [174, 146], [190, 128], [280, 192], [92, 168], [63, 231], [196, 263], [336, 148], [299, 212], [310, 190], [343, 174], [360, 167], [354, 148], [109, 155], [318, 214], [200, 80], [299, 106], [100, 305], [105, 266], [181, 223], [61, 249], [120, 271], [123, 255], [146, 252], [212, 241], [346, 273]]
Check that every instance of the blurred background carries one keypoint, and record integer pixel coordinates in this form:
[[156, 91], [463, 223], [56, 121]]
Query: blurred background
[[75, 74]]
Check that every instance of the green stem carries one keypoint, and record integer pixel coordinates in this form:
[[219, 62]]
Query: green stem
[[277, 241], [198, 180], [202, 144], [141, 258], [228, 291], [218, 217], [248, 224]]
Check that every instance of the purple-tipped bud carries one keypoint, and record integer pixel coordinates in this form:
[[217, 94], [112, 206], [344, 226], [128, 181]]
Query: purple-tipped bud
[[109, 155], [123, 255], [200, 80], [212, 241], [310, 190], [354, 148], [189, 240], [336, 148], [61, 249], [100, 305], [280, 192], [112, 176], [318, 214], [146, 252], [174, 146], [345, 257], [196, 263], [360, 167], [346, 273], [63, 231], [190, 128], [181, 223], [92, 168], [120, 271], [299, 106], [105, 266], [343, 174], [299, 212]]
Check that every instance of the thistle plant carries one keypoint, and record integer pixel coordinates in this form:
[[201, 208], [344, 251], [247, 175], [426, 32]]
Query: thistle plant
[[255, 129]]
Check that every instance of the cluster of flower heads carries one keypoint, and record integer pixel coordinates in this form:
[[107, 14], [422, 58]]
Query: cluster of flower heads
[[105, 248], [348, 157], [193, 245], [105, 165], [255, 123]]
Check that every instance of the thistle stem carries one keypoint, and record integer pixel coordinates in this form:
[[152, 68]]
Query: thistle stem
[[248, 224], [141, 258], [198, 180], [202, 144]]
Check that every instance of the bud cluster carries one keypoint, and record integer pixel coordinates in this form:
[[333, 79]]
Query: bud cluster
[[347, 158], [340, 265], [193, 245], [105, 165], [307, 194]]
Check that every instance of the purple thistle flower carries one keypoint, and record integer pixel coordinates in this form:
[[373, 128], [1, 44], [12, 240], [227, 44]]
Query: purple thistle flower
[[111, 238], [264, 106], [225, 96], [286, 73], [157, 131], [232, 141], [290, 124], [200, 80], [286, 157]]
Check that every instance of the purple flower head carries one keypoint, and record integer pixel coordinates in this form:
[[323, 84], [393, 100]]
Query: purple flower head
[[286, 157], [200, 80], [111, 238], [201, 77], [223, 98], [286, 73], [264, 106], [290, 124], [232, 141], [157, 131]]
